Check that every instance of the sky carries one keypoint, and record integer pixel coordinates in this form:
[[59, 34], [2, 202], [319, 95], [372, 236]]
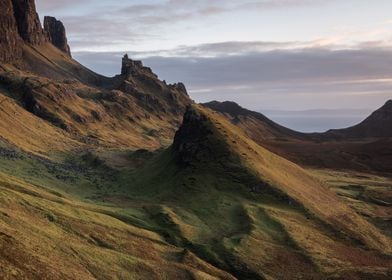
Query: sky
[[267, 55]]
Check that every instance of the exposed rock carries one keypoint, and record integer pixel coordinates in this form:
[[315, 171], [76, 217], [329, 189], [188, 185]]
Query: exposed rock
[[180, 87], [129, 66], [152, 94], [28, 22], [10, 41], [134, 67], [190, 142], [56, 33]]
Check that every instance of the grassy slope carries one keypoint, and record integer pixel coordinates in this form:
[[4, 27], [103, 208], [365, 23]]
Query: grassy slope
[[166, 220], [369, 195], [48, 235], [23, 129]]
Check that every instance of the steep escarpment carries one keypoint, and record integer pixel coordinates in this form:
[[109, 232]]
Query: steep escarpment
[[29, 25], [10, 41], [20, 26], [56, 33]]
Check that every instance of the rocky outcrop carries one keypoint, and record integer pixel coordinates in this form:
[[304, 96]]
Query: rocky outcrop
[[28, 22], [191, 143], [135, 68], [56, 33], [151, 93], [10, 41], [180, 87]]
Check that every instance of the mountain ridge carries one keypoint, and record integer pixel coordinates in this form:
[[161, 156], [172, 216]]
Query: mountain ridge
[[133, 109]]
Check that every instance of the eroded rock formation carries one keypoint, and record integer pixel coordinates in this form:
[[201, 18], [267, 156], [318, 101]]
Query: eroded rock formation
[[56, 33], [10, 41], [19, 24], [134, 67], [28, 22]]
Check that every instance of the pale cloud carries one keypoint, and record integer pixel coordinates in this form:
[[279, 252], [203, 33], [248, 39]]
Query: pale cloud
[[103, 24]]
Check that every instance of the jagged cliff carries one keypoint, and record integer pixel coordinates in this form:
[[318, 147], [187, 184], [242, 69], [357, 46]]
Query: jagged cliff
[[20, 25], [28, 22], [56, 33], [10, 41]]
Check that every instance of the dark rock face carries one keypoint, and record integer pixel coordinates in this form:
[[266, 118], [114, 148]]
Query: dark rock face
[[19, 24], [134, 67], [129, 66], [56, 33], [10, 41], [28, 22], [191, 142], [180, 87], [152, 94]]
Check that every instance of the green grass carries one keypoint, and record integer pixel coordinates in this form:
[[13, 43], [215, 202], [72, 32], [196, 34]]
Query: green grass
[[368, 194]]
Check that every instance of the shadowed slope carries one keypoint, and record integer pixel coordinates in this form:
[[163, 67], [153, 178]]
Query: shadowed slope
[[45, 235]]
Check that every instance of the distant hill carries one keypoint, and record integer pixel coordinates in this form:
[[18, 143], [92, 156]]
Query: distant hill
[[377, 125], [365, 147], [255, 124]]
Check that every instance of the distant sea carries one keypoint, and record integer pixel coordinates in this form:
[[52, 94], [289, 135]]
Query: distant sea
[[317, 120]]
